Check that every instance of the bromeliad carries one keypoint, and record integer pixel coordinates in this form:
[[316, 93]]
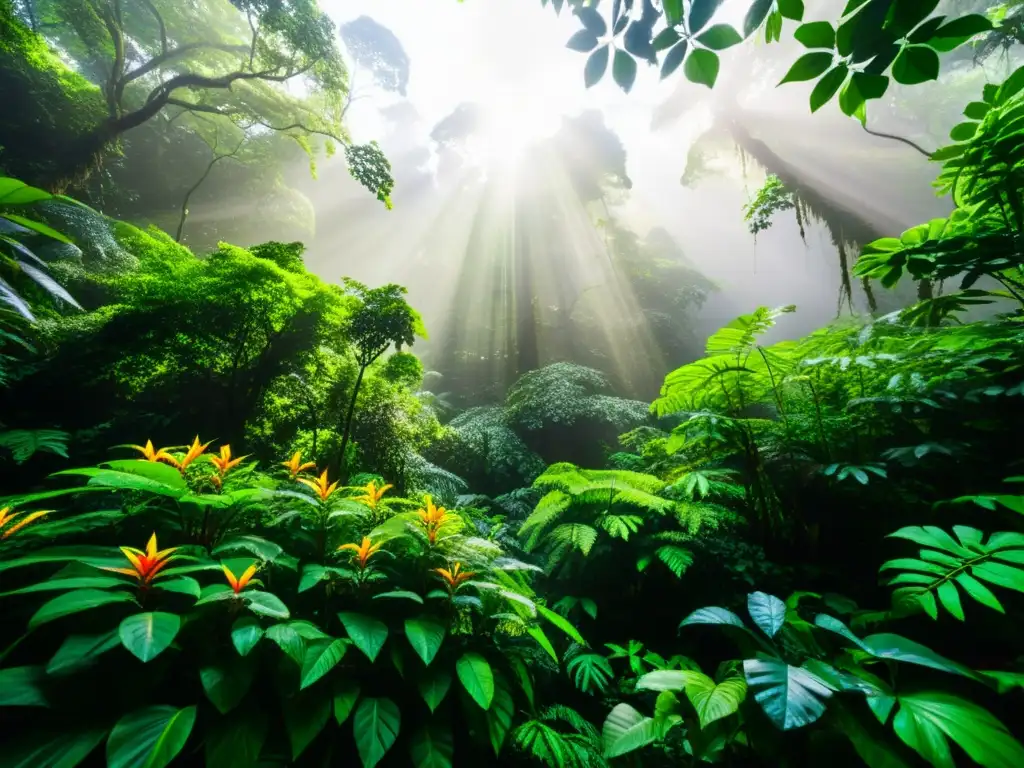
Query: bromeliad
[[363, 551], [146, 566], [6, 516], [149, 453], [295, 465], [432, 518], [224, 463], [321, 486], [372, 494], [240, 583], [453, 579]]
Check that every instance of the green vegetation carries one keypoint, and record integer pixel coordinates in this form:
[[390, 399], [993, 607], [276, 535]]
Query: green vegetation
[[803, 552]]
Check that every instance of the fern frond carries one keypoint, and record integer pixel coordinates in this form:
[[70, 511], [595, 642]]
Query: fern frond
[[575, 536], [740, 334], [591, 672], [24, 443], [549, 509], [620, 526], [675, 558]]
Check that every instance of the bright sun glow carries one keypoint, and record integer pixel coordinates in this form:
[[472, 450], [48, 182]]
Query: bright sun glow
[[507, 132]]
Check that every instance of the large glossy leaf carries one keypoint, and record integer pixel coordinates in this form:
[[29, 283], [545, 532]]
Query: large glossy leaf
[[265, 604], [150, 737], [713, 615], [597, 64], [889, 646], [625, 729], [65, 748], [499, 716], [790, 696], [767, 611], [476, 677], [127, 481], [227, 683], [305, 716], [808, 67], [346, 694], [376, 724], [147, 635], [667, 679], [702, 67], [715, 701], [288, 640], [97, 556], [14, 192], [76, 602], [926, 721], [425, 634], [431, 746], [321, 657], [245, 633], [23, 687], [235, 741], [434, 685], [78, 651], [562, 623], [368, 634]]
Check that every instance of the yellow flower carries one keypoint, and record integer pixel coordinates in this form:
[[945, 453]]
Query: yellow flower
[[7, 516], [320, 485], [224, 463], [151, 454], [363, 551], [238, 584], [295, 465], [432, 518], [194, 452], [145, 565], [372, 494], [453, 578]]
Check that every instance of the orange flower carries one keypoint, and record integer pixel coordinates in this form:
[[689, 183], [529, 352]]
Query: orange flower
[[295, 465], [224, 463], [453, 578], [194, 452], [240, 583], [145, 565], [432, 518], [151, 454], [320, 485], [363, 551], [7, 516], [372, 494]]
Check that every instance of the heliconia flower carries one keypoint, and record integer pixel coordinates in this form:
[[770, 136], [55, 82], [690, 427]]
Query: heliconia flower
[[363, 551], [6, 516], [453, 578], [432, 518], [224, 463], [372, 494], [320, 485], [240, 583], [145, 565], [194, 452], [151, 454], [295, 466]]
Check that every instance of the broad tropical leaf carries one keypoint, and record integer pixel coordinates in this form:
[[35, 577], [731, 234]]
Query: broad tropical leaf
[[150, 737], [791, 696], [476, 677], [368, 634], [376, 724], [625, 730], [147, 635]]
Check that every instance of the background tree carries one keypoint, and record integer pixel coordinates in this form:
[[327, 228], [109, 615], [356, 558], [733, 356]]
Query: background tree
[[376, 48]]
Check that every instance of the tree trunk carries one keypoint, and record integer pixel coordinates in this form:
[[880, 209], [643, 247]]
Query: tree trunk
[[342, 464]]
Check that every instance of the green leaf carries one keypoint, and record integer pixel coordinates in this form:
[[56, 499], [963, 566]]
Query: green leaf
[[227, 683], [321, 657], [346, 693], [368, 634], [701, 12], [500, 714], [756, 15], [583, 41], [426, 635], [312, 574], [75, 582], [665, 39], [673, 59], [1005, 681], [790, 696], [816, 34], [592, 20], [767, 611], [666, 679], [713, 615], [235, 741], [792, 9], [977, 110], [147, 635], [625, 730], [827, 87], [702, 67], [926, 720], [305, 716], [955, 33], [562, 624], [245, 633], [38, 226], [431, 746], [597, 64], [899, 648], [14, 192], [808, 67], [853, 103], [673, 12], [713, 702], [22, 687], [265, 604], [183, 585], [434, 685], [75, 602], [476, 677], [65, 748], [915, 64], [150, 737], [963, 131], [399, 594], [79, 651], [542, 640], [624, 70], [376, 724], [1011, 87], [719, 37]]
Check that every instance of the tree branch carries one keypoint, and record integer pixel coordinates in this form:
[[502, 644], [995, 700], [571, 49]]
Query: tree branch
[[173, 54], [908, 142], [160, 22], [111, 91], [194, 187]]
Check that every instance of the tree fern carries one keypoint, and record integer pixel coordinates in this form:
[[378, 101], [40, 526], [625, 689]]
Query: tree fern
[[947, 566], [741, 334], [590, 672], [24, 443], [548, 511], [543, 739], [675, 558], [621, 526], [574, 536]]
